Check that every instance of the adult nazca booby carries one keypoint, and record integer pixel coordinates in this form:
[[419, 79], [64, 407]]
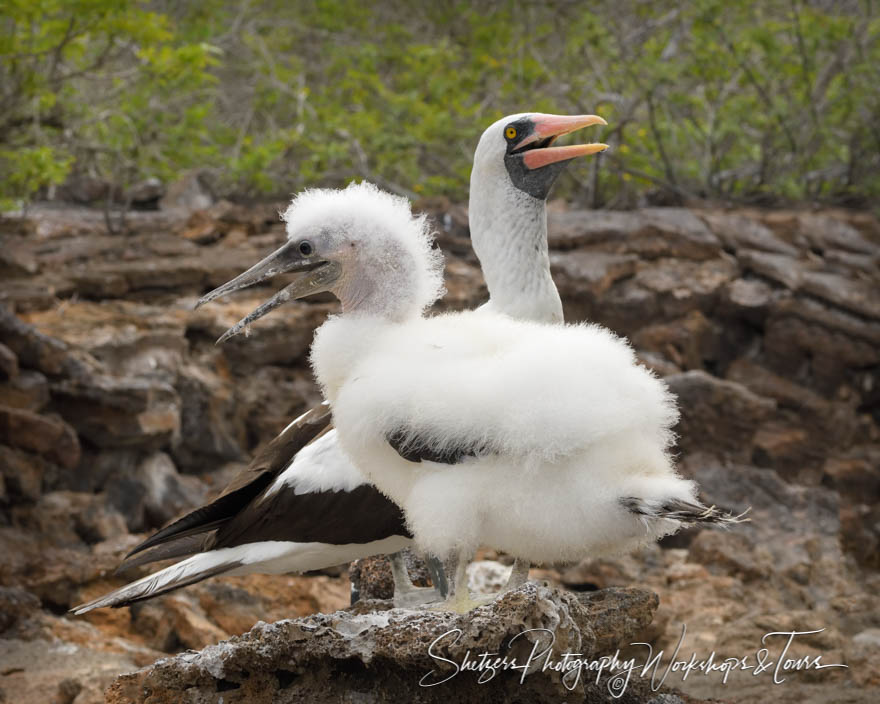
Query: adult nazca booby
[[301, 505]]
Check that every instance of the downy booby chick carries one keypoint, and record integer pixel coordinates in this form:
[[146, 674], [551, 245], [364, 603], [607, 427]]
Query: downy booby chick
[[301, 505], [549, 442]]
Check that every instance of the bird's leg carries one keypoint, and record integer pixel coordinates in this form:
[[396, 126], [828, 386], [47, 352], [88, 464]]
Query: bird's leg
[[400, 574], [519, 575], [459, 599], [438, 574], [406, 594]]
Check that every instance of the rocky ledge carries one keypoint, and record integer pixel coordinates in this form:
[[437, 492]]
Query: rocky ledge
[[373, 653], [118, 411]]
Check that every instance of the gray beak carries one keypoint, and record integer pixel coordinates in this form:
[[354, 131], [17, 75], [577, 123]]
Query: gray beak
[[317, 276]]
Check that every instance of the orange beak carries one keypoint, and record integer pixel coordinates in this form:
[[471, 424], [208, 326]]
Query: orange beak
[[551, 127]]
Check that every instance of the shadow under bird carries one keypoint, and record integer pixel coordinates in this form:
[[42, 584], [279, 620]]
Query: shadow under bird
[[301, 504]]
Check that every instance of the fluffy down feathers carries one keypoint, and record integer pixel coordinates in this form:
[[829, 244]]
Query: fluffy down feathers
[[394, 247], [514, 388], [566, 422]]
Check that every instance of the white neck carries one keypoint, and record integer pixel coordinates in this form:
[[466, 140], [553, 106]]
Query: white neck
[[509, 234]]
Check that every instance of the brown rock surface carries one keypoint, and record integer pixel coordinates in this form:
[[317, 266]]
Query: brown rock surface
[[765, 322], [687, 342], [717, 416], [371, 577], [828, 232], [111, 411], [45, 435], [8, 363], [650, 232], [28, 390], [384, 653], [748, 299], [154, 493], [579, 272], [22, 474], [738, 232]]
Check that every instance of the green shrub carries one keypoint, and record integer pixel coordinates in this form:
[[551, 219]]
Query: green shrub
[[735, 100]]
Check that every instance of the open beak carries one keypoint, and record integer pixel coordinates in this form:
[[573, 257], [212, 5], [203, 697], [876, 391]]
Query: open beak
[[317, 276], [537, 149]]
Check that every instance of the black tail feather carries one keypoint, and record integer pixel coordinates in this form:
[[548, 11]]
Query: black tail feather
[[685, 512]]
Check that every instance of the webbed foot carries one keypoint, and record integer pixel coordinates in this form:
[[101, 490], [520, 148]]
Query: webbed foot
[[412, 596]]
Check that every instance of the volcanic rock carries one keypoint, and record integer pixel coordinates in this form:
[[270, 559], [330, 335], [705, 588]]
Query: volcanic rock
[[71, 518], [371, 649], [687, 342], [208, 433], [738, 232], [8, 363], [579, 272], [371, 577], [716, 415], [15, 606], [154, 494], [827, 232], [765, 322], [650, 232], [22, 473], [779, 268], [747, 298], [119, 412], [28, 390], [48, 436], [818, 343], [34, 349]]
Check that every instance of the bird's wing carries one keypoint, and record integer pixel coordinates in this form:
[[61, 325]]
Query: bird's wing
[[332, 516], [248, 484], [189, 571], [175, 548], [415, 447], [321, 497]]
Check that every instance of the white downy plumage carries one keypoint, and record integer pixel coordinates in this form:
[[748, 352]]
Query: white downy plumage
[[551, 441], [563, 422]]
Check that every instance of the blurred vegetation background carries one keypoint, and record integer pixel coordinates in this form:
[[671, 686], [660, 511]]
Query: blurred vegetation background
[[748, 101]]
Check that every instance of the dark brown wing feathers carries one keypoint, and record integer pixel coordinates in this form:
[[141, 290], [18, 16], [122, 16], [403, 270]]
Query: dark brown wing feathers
[[360, 515], [413, 449], [248, 484]]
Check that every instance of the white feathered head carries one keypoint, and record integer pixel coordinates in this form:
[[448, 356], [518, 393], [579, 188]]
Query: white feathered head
[[359, 242]]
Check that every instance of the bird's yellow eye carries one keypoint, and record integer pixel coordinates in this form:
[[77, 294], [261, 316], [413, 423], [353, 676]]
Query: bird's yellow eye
[[510, 132]]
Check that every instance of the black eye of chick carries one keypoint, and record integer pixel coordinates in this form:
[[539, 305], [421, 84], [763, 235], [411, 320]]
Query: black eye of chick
[[305, 248]]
